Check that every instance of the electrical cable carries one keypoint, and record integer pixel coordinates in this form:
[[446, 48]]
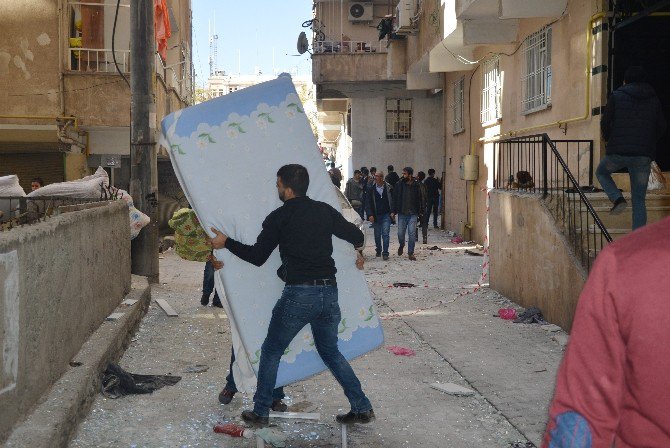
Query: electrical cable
[[67, 91], [116, 16]]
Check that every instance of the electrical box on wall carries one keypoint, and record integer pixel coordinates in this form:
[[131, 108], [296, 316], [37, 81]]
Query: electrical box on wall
[[470, 167]]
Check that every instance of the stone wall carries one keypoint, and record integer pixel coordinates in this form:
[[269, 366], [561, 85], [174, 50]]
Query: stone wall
[[59, 280]]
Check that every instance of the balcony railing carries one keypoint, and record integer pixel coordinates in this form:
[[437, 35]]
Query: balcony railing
[[98, 60], [349, 47]]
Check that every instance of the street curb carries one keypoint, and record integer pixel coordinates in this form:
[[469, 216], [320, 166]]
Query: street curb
[[53, 422]]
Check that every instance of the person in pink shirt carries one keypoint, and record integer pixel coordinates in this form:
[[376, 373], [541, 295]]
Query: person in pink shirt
[[613, 386]]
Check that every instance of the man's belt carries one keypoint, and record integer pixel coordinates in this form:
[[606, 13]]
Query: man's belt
[[318, 282]]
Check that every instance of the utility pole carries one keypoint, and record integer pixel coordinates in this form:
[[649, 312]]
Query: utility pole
[[142, 136]]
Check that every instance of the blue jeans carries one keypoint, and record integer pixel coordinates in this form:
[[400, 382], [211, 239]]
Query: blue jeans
[[298, 306], [208, 282], [639, 168], [277, 394], [382, 229], [407, 223]]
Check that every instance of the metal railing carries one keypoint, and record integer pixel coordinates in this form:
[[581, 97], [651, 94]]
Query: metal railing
[[561, 171], [17, 211], [98, 60], [349, 47]]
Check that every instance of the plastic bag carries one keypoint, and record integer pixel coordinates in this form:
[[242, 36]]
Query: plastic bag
[[656, 178]]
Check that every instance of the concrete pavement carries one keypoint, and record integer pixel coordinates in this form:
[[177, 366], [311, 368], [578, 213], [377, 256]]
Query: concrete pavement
[[511, 367]]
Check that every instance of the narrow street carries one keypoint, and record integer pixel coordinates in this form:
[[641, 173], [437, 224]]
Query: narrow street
[[510, 366]]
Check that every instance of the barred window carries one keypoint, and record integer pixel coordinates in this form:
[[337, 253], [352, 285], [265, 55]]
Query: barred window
[[398, 119], [536, 80], [491, 91], [457, 106]]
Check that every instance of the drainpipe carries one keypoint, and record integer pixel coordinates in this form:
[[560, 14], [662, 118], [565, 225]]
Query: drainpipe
[[61, 67]]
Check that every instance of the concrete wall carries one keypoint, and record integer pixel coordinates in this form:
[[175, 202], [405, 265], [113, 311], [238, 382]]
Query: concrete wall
[[531, 260], [59, 280], [368, 137], [568, 101]]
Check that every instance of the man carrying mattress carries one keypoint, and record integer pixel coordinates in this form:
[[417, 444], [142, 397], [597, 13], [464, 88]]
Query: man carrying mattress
[[303, 230]]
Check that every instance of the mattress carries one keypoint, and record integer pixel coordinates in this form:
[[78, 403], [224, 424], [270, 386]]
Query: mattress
[[226, 153]]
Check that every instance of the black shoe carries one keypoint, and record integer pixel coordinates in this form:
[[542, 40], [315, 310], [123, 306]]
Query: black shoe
[[435, 226], [619, 206], [204, 300], [400, 250], [278, 406], [411, 257], [217, 302], [226, 396], [425, 241], [385, 257], [256, 420], [378, 254], [356, 417]]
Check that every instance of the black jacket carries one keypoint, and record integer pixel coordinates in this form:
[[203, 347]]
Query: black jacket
[[392, 179], [303, 230], [372, 207], [413, 203], [633, 121]]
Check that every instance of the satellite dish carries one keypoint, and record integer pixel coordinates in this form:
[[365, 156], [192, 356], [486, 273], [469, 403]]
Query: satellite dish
[[303, 44]]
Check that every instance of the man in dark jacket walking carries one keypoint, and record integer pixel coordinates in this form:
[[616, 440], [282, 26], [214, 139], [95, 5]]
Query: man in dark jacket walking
[[433, 187], [392, 177], [408, 205], [632, 124], [378, 208]]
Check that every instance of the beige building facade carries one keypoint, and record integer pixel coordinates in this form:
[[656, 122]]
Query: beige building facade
[[66, 108]]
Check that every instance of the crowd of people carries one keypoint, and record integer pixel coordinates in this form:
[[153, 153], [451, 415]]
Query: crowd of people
[[408, 201]]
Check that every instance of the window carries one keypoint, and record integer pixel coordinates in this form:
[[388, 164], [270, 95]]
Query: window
[[457, 106], [491, 91], [398, 119], [536, 80]]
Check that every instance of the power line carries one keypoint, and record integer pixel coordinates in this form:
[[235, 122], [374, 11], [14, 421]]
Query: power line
[[67, 91]]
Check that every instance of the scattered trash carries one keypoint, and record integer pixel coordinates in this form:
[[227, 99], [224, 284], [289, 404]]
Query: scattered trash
[[434, 248], [116, 382], [457, 240], [530, 316], [451, 233], [453, 389], [198, 368], [114, 316], [75, 364], [539, 371], [521, 445], [403, 285], [551, 328], [129, 302], [400, 351], [234, 430], [507, 313], [296, 415], [272, 436], [471, 252]]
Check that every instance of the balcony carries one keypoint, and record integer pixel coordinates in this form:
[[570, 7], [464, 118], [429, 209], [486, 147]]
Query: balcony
[[468, 23], [98, 60]]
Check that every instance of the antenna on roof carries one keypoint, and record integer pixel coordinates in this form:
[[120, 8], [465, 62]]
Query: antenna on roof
[[213, 52]]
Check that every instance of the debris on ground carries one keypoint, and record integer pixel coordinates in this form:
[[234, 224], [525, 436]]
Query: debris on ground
[[530, 316], [403, 285], [457, 240], [272, 436], [167, 308], [472, 252], [434, 248], [453, 389], [551, 328], [400, 351], [116, 382], [507, 313], [198, 368], [234, 430], [521, 445]]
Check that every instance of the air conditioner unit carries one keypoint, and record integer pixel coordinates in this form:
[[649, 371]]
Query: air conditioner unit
[[405, 11], [360, 12]]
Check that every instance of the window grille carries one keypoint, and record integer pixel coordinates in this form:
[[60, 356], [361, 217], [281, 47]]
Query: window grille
[[491, 91], [457, 106], [398, 119], [536, 80]]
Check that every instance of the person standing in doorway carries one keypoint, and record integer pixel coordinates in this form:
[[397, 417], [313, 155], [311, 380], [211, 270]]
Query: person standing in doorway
[[354, 192], [407, 204], [433, 187], [632, 124], [303, 229], [378, 209]]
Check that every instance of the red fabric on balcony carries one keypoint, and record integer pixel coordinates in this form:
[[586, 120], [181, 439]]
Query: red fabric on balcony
[[162, 26]]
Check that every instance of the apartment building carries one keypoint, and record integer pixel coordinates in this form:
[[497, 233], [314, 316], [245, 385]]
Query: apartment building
[[371, 111], [66, 107]]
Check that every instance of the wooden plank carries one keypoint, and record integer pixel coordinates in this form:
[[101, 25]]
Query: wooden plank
[[166, 307], [453, 389], [296, 415]]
